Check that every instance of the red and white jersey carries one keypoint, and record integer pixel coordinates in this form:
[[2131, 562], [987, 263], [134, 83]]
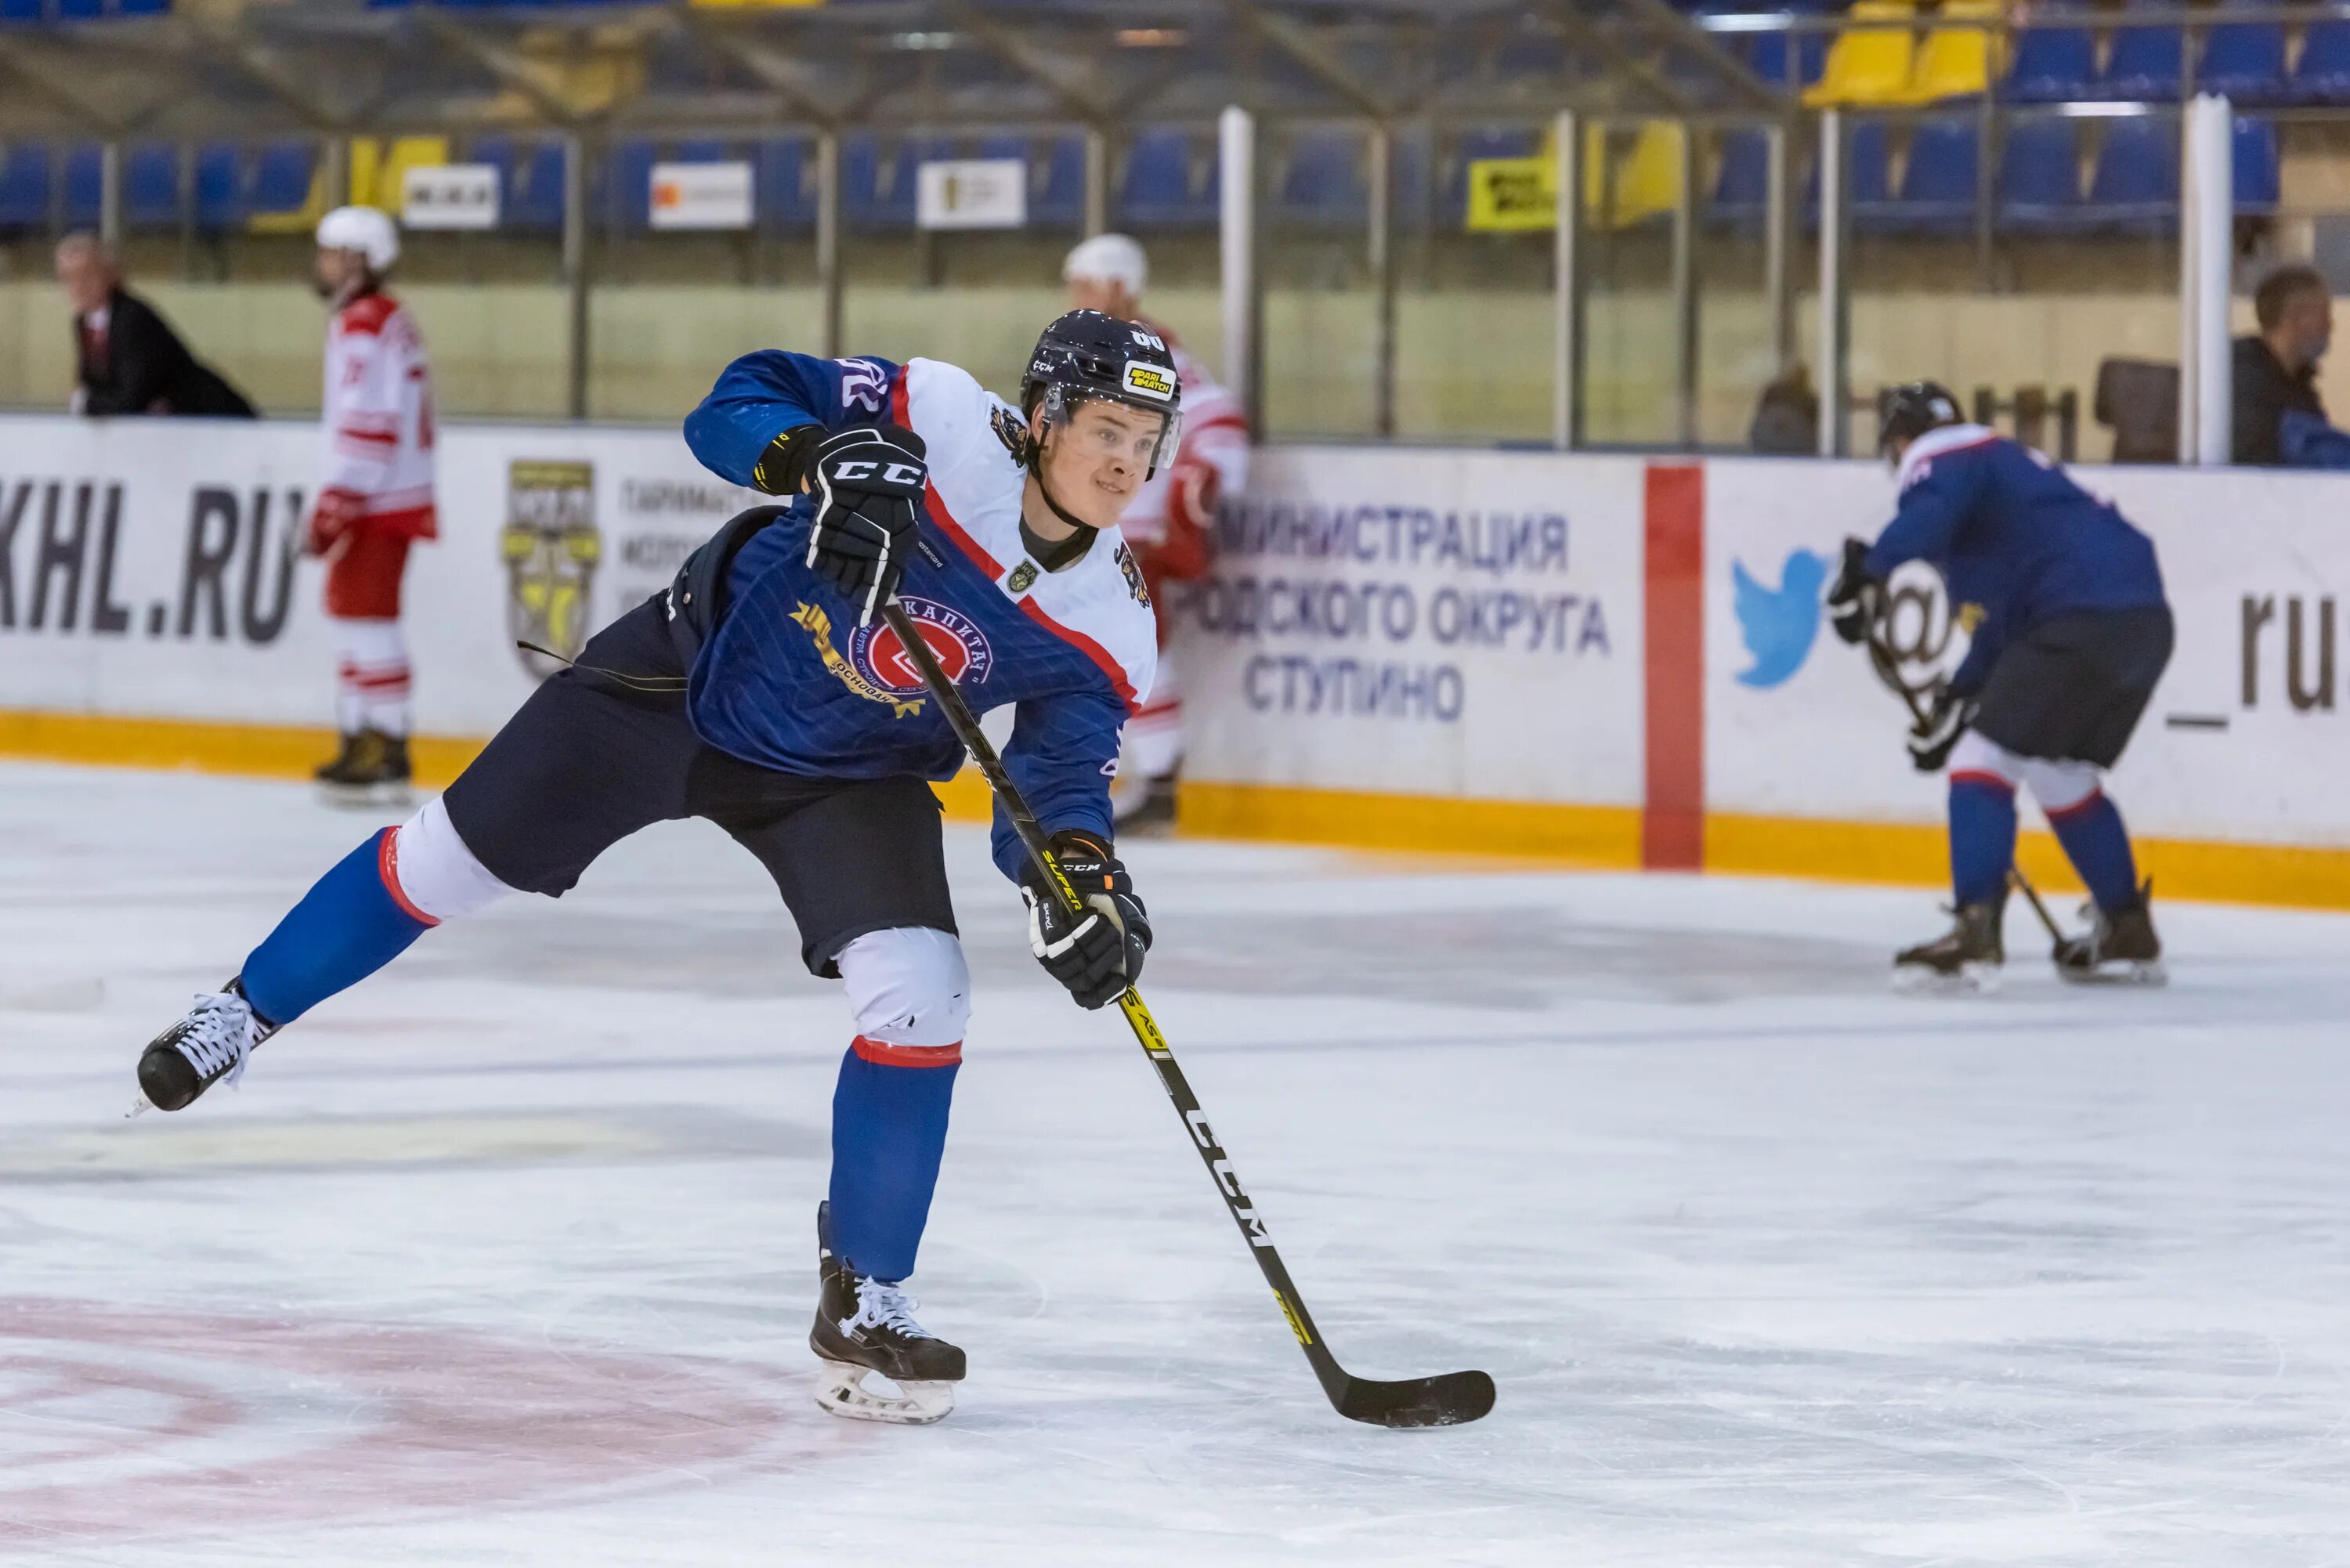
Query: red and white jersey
[[378, 416], [1168, 522]]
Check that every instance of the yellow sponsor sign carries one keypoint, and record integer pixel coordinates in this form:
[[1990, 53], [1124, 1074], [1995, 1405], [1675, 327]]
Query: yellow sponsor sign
[[1513, 196]]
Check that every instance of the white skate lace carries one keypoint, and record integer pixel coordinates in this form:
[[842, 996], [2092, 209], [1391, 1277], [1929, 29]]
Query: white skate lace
[[880, 1304], [218, 1037]]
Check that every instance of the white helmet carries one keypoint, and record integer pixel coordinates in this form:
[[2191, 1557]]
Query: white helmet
[[364, 230], [1109, 258]]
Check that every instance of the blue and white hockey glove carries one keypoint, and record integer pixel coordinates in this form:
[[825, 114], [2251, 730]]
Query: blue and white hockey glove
[[868, 483], [1096, 953], [1931, 737], [1855, 598]]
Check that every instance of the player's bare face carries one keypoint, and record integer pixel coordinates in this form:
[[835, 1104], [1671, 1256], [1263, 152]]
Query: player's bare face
[[1096, 462], [339, 271]]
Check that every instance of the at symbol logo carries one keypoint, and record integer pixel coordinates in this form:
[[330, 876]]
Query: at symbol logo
[[1918, 626], [961, 648]]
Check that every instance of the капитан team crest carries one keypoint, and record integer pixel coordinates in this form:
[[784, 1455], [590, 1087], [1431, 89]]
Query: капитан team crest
[[961, 647], [551, 550]]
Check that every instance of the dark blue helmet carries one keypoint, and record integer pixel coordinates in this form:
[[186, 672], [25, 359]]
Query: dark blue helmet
[[1088, 354], [1908, 411]]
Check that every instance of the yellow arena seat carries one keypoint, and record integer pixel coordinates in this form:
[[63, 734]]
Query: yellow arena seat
[[1871, 65], [1956, 61]]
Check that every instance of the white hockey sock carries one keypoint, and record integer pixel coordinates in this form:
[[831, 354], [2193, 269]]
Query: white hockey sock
[[372, 676]]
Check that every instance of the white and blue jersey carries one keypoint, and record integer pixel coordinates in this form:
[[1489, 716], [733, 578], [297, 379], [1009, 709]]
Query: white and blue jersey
[[2017, 543], [788, 680]]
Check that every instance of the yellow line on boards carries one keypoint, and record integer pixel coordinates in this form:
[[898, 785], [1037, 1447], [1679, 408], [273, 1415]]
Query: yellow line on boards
[[1597, 837]]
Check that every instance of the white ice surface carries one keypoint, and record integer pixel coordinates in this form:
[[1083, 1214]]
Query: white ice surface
[[506, 1256]]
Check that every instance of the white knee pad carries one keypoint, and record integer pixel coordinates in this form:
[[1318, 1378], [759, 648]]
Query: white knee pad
[[433, 872], [2056, 785], [907, 986]]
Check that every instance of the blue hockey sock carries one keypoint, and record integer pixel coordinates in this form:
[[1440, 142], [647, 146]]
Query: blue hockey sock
[[888, 1130], [348, 925], [1982, 836], [2098, 846]]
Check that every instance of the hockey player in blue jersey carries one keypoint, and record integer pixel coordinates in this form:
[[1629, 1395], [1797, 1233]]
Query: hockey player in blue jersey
[[763, 691], [2069, 632]]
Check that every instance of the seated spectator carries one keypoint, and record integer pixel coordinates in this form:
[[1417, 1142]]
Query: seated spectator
[[1787, 418], [131, 362], [2279, 418]]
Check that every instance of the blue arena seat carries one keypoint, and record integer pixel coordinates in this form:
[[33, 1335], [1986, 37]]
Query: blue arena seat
[[220, 186], [1767, 54], [2322, 74], [281, 176], [24, 187], [2244, 60], [1741, 188], [1937, 186], [786, 191], [1056, 186], [20, 11], [1162, 188], [1322, 186], [85, 184], [1869, 169], [2259, 181], [2146, 62], [150, 186], [621, 193], [2135, 189], [2040, 176], [2054, 61]]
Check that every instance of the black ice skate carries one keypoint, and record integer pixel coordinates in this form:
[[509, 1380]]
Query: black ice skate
[[372, 770], [1150, 811], [2119, 948], [210, 1043], [1967, 958], [864, 1325]]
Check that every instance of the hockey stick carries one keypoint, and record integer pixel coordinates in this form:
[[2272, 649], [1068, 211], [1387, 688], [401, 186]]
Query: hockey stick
[[1880, 658], [1445, 1400]]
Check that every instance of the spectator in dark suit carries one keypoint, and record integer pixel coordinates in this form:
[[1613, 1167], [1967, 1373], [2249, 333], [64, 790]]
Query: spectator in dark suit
[[2278, 417], [131, 362]]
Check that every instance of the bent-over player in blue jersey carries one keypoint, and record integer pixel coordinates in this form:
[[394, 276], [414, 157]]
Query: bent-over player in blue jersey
[[2070, 632], [762, 691]]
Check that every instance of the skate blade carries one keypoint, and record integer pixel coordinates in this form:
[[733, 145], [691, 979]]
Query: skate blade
[[2118, 972], [368, 798], [842, 1392], [1971, 979]]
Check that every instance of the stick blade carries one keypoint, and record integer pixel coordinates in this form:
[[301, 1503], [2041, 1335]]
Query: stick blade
[[1446, 1400]]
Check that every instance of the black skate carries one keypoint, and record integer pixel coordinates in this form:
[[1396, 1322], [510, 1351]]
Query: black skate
[[864, 1325], [372, 770], [1151, 813], [2119, 948], [210, 1043], [1967, 958]]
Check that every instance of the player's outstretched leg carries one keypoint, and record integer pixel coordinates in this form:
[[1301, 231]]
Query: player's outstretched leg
[[1982, 848], [355, 919], [2120, 944], [909, 993]]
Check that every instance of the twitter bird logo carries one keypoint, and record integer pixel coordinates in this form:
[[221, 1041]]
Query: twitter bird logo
[[1778, 623]]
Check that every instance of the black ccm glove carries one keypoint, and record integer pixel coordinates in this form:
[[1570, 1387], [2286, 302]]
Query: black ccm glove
[[1933, 735], [868, 483], [1098, 953], [1855, 598]]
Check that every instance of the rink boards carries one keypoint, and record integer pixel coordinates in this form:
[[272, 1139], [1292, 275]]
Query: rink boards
[[1613, 659]]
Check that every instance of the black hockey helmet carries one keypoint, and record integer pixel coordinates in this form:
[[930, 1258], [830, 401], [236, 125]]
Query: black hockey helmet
[[1087, 355], [1908, 411]]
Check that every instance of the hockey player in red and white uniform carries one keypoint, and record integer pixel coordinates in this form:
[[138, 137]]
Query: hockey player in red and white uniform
[[1169, 525], [375, 498]]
